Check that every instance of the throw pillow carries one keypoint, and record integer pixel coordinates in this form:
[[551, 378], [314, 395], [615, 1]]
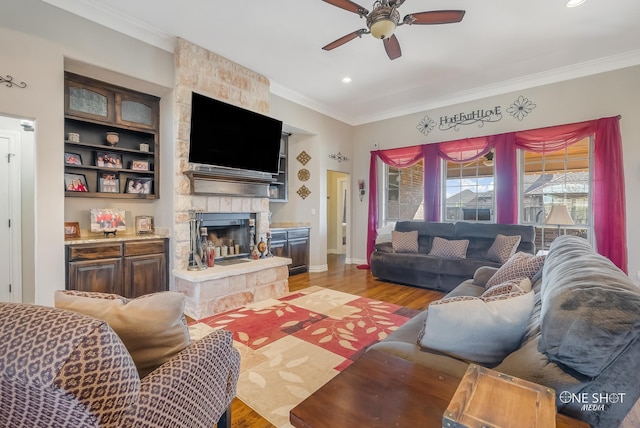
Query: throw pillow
[[477, 329], [520, 265], [450, 249], [503, 248], [152, 327], [404, 242], [512, 286]]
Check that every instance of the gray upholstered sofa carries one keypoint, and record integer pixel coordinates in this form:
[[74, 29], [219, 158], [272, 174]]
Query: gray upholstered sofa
[[438, 273], [583, 335]]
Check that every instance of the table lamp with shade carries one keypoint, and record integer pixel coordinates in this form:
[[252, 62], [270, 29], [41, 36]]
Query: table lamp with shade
[[559, 215]]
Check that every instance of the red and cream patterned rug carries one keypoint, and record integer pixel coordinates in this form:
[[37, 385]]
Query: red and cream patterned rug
[[293, 345]]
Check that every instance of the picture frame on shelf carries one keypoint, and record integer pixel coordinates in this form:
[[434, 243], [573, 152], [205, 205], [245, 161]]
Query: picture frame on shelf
[[75, 183], [140, 165], [108, 182], [71, 230], [144, 225], [140, 185], [72, 159], [108, 159], [108, 220]]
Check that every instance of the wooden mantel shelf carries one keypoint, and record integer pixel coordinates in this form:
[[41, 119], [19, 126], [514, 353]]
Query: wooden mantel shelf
[[216, 181]]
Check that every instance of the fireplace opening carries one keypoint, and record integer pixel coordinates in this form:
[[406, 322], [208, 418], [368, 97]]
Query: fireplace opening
[[229, 233]]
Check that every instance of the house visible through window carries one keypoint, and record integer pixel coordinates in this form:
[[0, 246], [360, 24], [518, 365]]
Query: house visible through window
[[404, 193], [557, 178], [469, 191]]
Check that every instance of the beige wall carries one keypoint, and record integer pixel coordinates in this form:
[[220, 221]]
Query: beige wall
[[602, 95], [36, 41], [322, 137]]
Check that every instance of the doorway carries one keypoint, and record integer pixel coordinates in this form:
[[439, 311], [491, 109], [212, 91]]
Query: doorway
[[10, 209], [338, 212]]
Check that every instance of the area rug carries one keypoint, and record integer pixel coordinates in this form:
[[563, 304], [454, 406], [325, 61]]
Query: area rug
[[293, 345]]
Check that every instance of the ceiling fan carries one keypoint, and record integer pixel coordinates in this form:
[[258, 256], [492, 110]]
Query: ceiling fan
[[383, 20]]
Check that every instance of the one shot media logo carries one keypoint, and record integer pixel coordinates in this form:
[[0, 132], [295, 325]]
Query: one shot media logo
[[595, 401]]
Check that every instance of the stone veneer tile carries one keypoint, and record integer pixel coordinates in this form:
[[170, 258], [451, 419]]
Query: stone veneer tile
[[237, 283], [214, 288], [232, 301], [213, 204]]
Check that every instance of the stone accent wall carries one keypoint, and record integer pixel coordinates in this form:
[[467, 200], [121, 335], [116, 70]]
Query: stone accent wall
[[207, 73]]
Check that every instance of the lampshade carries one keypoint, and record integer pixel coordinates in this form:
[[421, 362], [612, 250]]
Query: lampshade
[[383, 28], [558, 215]]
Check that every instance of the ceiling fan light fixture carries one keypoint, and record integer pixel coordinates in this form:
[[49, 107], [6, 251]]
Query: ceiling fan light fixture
[[382, 21], [383, 28]]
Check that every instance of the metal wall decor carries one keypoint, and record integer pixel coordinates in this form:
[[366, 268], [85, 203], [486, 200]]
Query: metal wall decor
[[303, 192], [339, 157], [480, 116], [426, 125], [8, 81], [304, 174], [521, 107], [303, 157]]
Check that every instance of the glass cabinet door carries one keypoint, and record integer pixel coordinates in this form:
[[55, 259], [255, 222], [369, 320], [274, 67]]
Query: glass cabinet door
[[87, 101], [132, 110]]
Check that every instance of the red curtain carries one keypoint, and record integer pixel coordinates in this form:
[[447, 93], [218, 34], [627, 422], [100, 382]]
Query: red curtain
[[607, 186], [399, 158]]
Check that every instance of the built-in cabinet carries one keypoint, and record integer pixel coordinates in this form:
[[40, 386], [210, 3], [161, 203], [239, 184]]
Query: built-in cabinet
[[279, 186], [129, 268], [94, 167], [294, 244]]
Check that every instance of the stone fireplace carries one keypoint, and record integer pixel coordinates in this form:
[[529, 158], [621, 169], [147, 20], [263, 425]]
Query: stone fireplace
[[222, 287]]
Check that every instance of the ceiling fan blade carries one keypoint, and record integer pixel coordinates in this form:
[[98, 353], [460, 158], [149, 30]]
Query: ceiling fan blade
[[392, 46], [348, 5], [434, 17], [344, 39]]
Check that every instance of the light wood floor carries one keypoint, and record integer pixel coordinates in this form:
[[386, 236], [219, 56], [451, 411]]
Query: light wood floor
[[349, 279]]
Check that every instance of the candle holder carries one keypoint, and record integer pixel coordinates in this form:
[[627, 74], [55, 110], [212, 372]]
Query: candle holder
[[196, 251]]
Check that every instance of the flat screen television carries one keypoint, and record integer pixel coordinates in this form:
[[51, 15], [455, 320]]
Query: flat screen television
[[233, 137]]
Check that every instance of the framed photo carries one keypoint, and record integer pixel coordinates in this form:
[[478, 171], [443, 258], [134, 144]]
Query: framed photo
[[108, 182], [139, 185], [72, 159], [144, 224], [71, 230], [107, 219], [75, 183], [140, 165], [108, 160]]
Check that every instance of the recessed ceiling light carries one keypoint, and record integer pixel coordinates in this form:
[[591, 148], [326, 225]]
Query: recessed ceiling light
[[346, 79], [574, 3]]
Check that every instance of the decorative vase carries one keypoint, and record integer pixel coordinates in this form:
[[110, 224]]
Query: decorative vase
[[113, 138]]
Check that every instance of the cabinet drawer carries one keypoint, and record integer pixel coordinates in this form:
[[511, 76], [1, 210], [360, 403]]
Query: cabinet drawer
[[94, 251], [278, 236], [298, 233], [140, 248]]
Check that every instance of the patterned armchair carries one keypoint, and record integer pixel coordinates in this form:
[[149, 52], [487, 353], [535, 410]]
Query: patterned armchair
[[63, 369]]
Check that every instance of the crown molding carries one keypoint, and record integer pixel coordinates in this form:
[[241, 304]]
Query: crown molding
[[118, 21]]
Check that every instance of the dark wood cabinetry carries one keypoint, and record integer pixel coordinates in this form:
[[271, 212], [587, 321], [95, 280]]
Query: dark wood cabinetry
[[279, 186], [92, 109], [294, 244], [128, 268]]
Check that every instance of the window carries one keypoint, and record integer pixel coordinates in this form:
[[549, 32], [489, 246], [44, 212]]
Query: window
[[558, 178], [469, 191], [404, 193]]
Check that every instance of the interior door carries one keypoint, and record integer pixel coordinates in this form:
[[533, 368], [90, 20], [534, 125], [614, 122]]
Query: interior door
[[8, 171]]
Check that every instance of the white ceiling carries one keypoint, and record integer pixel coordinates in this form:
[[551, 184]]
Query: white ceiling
[[500, 45]]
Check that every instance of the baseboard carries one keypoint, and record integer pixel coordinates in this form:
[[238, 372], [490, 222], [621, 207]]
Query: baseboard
[[334, 251], [320, 268], [352, 261]]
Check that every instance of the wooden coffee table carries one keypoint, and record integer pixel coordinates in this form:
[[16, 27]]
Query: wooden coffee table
[[380, 390]]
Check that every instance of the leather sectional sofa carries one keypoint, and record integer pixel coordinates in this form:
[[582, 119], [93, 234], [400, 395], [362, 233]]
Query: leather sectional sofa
[[441, 273]]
